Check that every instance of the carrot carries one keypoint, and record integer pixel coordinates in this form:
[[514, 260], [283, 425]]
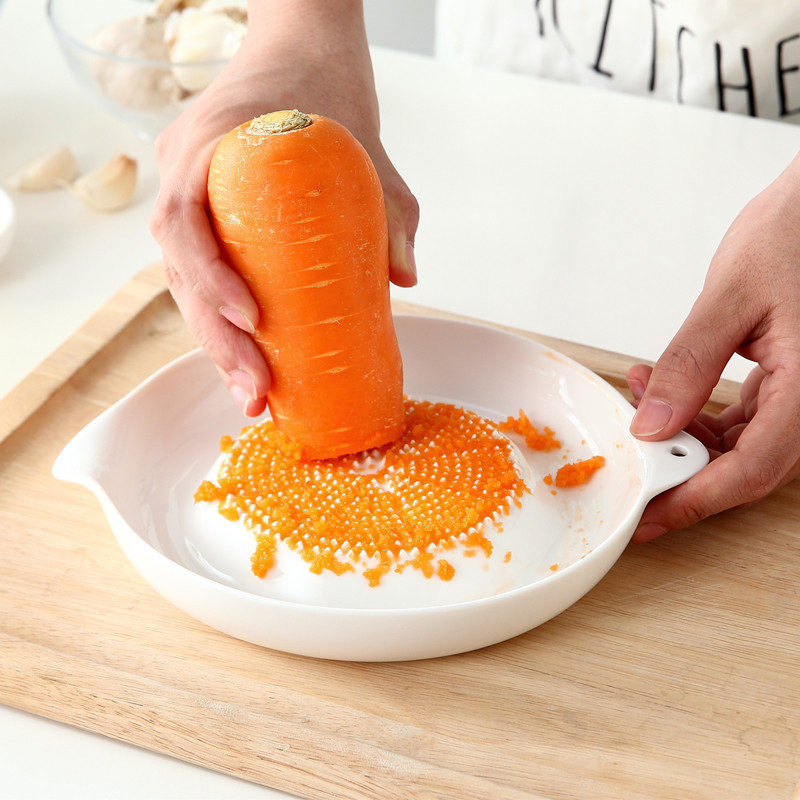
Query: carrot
[[298, 211]]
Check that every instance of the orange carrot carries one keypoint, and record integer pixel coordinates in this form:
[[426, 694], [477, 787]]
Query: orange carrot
[[298, 211]]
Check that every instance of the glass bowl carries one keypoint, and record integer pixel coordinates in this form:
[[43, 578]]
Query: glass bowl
[[144, 64]]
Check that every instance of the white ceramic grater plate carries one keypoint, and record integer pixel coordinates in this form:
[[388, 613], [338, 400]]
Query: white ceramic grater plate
[[169, 430]]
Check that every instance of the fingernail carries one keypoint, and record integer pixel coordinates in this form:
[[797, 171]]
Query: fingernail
[[411, 259], [648, 532], [243, 388], [237, 318], [651, 417]]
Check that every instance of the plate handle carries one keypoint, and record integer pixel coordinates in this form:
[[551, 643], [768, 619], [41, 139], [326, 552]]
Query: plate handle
[[671, 462]]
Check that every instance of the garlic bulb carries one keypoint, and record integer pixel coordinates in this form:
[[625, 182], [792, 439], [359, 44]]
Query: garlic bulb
[[199, 34], [163, 8], [176, 33], [145, 87], [49, 171], [109, 187]]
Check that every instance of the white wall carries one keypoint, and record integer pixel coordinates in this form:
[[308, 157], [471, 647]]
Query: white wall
[[401, 24]]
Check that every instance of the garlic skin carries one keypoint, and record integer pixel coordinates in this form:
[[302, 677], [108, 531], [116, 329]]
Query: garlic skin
[[109, 187], [49, 171], [200, 34], [144, 87]]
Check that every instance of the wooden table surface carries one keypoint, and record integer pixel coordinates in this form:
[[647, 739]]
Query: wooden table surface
[[677, 676]]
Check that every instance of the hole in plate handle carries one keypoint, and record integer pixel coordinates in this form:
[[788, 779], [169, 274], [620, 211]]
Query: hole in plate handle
[[679, 450]]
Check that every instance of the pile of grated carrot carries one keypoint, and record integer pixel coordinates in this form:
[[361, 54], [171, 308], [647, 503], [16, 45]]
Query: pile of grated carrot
[[434, 489]]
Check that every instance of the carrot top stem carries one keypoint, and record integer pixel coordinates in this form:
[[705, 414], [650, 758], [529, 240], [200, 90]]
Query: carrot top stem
[[279, 122]]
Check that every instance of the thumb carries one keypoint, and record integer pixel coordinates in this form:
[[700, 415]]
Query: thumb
[[402, 215], [681, 381], [402, 211]]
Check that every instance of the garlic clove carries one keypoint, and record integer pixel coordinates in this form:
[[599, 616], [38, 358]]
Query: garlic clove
[[199, 36], [48, 171], [109, 187]]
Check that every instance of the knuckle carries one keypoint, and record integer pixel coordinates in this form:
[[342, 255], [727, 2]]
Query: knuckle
[[762, 477], [693, 510], [201, 292], [174, 280], [161, 145], [681, 363], [401, 203], [409, 206], [166, 210]]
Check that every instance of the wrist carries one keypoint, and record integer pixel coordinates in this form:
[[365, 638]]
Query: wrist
[[321, 26], [312, 55]]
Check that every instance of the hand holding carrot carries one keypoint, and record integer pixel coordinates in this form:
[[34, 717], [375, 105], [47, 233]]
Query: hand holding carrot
[[307, 54], [750, 304]]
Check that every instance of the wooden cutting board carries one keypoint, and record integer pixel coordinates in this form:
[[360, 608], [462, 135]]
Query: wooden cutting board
[[677, 677]]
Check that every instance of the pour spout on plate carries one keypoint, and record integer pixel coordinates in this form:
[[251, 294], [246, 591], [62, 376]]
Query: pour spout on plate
[[79, 461]]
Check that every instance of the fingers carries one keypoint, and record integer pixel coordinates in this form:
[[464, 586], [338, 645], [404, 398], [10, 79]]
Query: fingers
[[234, 352], [704, 427], [681, 381], [759, 455], [733, 480], [213, 299], [181, 227], [750, 391], [676, 508]]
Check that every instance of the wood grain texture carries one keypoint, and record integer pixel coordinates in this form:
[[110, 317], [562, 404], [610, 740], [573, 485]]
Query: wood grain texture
[[678, 676]]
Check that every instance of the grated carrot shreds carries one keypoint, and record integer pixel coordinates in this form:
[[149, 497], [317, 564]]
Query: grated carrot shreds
[[573, 474], [578, 472], [435, 488], [535, 439]]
